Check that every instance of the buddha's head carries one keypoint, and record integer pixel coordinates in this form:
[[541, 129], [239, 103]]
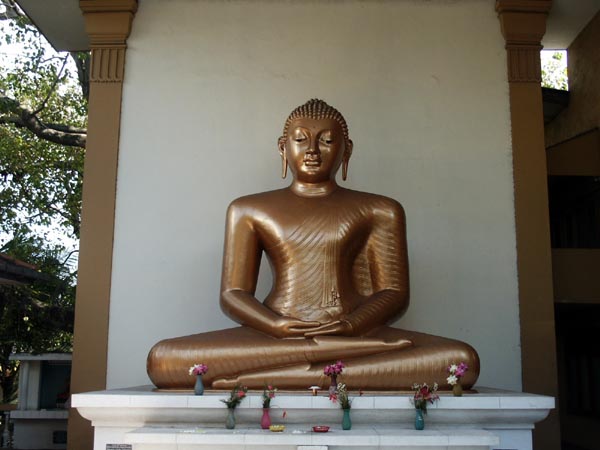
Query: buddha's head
[[315, 143]]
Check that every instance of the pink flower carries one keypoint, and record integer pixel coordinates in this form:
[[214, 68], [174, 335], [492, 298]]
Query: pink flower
[[241, 394], [457, 370], [198, 369], [334, 369]]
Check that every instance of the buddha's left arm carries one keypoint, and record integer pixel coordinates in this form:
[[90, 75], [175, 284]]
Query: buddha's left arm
[[387, 257], [388, 265]]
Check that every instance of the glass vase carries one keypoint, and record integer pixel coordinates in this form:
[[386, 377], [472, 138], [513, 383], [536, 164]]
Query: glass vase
[[199, 386], [419, 420], [457, 390], [265, 421], [333, 385], [230, 421], [346, 421]]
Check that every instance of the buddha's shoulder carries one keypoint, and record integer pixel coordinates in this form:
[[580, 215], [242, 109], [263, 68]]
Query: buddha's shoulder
[[377, 204], [258, 200]]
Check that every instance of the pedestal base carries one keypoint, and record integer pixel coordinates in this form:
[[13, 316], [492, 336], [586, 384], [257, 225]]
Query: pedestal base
[[140, 419]]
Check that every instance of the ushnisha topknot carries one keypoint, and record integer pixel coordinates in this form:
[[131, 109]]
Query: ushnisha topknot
[[317, 109]]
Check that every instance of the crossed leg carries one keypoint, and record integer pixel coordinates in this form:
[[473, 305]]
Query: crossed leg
[[385, 359]]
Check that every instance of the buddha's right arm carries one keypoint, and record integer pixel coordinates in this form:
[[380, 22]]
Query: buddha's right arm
[[241, 262]]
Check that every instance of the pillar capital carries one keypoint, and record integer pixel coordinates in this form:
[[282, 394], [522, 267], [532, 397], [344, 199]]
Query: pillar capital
[[108, 24], [523, 24]]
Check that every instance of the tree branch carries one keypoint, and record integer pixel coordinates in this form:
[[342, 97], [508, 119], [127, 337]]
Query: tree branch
[[11, 11], [82, 62], [17, 121], [51, 90], [57, 133]]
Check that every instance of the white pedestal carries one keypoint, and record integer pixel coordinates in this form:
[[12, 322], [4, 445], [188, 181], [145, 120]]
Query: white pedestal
[[141, 419]]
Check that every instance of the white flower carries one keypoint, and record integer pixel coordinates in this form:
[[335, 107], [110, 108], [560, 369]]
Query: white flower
[[452, 380], [452, 368]]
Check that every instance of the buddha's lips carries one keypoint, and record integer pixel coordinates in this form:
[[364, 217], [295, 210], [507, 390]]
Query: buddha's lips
[[312, 162]]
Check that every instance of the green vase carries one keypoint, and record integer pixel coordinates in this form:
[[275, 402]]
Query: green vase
[[419, 420], [346, 421], [230, 421]]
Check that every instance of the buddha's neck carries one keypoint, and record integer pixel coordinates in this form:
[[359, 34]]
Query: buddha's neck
[[323, 189]]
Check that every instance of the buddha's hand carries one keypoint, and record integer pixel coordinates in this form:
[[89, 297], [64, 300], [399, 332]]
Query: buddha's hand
[[335, 328], [285, 327]]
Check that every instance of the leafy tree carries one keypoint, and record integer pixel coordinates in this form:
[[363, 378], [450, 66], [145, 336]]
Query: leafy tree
[[554, 71], [37, 317], [43, 114]]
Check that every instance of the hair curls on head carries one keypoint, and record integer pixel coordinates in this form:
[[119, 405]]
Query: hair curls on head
[[317, 109]]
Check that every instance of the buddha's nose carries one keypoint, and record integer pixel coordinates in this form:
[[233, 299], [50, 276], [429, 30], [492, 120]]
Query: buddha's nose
[[313, 149]]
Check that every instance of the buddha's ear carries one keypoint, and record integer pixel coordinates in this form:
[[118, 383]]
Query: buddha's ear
[[346, 158], [281, 145], [284, 163]]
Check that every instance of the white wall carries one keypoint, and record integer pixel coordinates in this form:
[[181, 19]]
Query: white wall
[[207, 89]]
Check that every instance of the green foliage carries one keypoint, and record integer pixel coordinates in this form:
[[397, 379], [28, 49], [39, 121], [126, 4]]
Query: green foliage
[[40, 312], [554, 72], [38, 317], [41, 181], [40, 188]]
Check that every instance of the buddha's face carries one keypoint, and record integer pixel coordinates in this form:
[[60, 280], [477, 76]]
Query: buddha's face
[[314, 149]]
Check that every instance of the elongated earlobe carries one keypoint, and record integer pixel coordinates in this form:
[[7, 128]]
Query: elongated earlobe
[[346, 159], [284, 163]]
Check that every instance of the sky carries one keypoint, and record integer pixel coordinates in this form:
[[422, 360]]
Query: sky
[[8, 53]]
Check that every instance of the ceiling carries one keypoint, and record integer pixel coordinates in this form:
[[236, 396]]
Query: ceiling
[[62, 23], [567, 18]]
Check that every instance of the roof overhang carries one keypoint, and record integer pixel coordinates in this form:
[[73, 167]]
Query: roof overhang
[[566, 20], [13, 271], [41, 357], [61, 21]]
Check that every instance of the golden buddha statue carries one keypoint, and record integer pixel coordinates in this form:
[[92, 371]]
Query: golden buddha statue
[[340, 276]]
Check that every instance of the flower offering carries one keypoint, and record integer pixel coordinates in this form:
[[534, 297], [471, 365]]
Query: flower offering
[[334, 369], [237, 394], [423, 395], [268, 395], [198, 369], [455, 373]]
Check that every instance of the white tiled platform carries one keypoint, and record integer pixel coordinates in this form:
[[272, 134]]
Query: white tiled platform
[[152, 420], [362, 437]]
